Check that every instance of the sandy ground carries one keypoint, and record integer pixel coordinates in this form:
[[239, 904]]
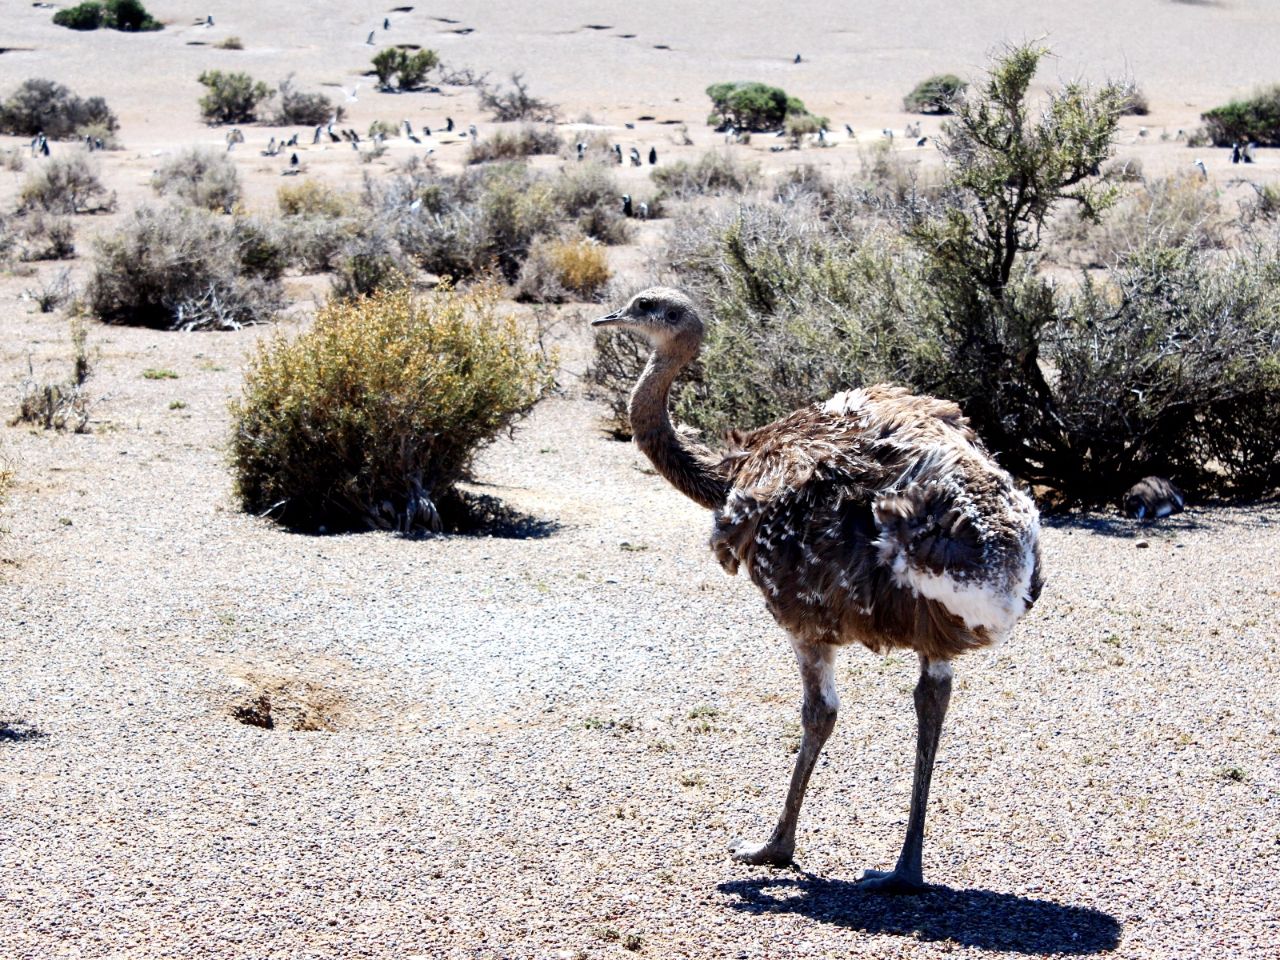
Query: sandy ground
[[542, 746]]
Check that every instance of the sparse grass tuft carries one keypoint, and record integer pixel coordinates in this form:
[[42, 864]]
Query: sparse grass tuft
[[60, 406]]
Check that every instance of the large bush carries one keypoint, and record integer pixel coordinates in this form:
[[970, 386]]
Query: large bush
[[371, 417], [1256, 119], [202, 176], [127, 15], [231, 97], [182, 268], [42, 106], [1170, 364], [751, 106], [937, 94]]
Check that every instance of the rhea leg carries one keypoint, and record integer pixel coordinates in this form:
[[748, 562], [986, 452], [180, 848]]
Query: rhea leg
[[818, 717], [932, 694]]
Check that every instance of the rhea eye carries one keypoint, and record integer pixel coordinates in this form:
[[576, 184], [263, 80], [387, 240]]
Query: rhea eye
[[672, 316]]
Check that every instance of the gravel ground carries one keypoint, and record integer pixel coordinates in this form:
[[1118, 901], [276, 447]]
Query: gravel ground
[[542, 747]]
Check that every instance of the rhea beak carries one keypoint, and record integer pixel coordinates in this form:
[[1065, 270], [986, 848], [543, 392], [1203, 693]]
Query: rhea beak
[[608, 321]]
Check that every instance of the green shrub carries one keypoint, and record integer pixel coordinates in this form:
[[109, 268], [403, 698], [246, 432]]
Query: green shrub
[[201, 176], [178, 268], [370, 418], [42, 106], [126, 15], [529, 140], [937, 94], [408, 68], [751, 106], [66, 184], [715, 172], [1256, 120], [83, 16], [515, 102], [231, 97]]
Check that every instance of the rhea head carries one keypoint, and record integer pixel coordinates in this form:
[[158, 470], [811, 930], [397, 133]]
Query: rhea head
[[663, 316]]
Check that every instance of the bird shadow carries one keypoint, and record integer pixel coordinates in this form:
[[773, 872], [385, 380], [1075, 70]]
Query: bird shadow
[[973, 918]]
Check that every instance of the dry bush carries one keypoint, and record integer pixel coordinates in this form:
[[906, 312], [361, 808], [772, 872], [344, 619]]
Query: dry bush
[[315, 244], [12, 159], [59, 406], [559, 270], [1171, 366], [466, 225], [715, 172], [178, 268], [802, 307], [44, 236], [229, 43], [66, 184], [53, 291], [1171, 211], [369, 262], [306, 109], [514, 102], [42, 106], [588, 194], [369, 418], [310, 198], [529, 140], [201, 176]]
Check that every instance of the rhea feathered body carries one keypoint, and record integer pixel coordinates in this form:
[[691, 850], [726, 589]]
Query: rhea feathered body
[[876, 517]]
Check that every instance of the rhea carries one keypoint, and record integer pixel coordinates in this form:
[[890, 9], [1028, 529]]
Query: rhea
[[876, 517]]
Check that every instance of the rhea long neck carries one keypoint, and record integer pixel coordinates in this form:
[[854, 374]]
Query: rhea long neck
[[686, 467]]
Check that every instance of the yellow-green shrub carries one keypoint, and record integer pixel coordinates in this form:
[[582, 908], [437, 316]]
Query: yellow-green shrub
[[582, 266], [312, 199], [371, 416]]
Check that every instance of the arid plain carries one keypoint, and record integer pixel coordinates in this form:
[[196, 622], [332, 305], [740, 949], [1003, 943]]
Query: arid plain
[[542, 745]]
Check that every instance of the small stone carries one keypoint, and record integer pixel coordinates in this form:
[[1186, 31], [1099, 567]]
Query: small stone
[[1142, 544]]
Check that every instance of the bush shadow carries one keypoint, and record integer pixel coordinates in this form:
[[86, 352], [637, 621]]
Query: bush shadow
[[1124, 528], [974, 918], [480, 515]]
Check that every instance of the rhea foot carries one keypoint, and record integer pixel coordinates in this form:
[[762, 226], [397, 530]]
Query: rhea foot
[[891, 882], [771, 853]]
